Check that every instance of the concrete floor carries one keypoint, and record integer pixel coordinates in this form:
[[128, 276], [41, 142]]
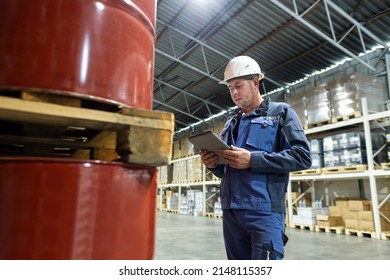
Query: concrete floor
[[184, 237]]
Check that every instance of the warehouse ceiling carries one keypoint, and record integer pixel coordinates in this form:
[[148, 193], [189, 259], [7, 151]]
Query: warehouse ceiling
[[290, 39]]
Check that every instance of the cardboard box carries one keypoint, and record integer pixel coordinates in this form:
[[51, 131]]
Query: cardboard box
[[366, 226], [335, 211], [299, 220], [308, 212], [341, 201], [350, 215], [168, 193], [296, 220], [328, 221], [307, 221], [351, 224], [365, 216], [359, 205], [366, 221]]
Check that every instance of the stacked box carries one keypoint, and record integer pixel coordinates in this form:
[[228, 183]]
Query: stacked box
[[217, 208], [176, 171], [351, 213], [299, 103], [195, 202], [366, 221], [329, 221], [347, 92], [348, 149], [336, 211], [198, 207], [331, 143], [184, 209], [194, 169], [179, 171], [332, 158], [316, 146], [184, 146], [176, 150], [163, 174], [351, 140], [318, 105], [359, 205], [169, 193], [350, 157], [307, 215], [317, 153], [172, 202]]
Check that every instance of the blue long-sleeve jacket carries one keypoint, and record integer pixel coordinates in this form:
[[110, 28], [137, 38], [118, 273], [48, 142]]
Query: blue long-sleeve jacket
[[278, 145]]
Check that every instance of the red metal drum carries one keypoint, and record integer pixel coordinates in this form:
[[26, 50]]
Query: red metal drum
[[71, 209], [93, 49]]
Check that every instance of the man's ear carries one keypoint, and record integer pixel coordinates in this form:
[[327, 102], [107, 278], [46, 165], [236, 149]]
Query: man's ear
[[256, 81]]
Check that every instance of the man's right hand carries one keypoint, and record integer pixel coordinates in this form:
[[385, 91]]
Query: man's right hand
[[209, 158]]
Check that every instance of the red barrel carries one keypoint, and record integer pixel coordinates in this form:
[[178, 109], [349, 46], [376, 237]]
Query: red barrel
[[93, 49], [71, 209]]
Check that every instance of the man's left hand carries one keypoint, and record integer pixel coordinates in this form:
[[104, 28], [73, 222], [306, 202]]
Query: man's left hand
[[237, 157]]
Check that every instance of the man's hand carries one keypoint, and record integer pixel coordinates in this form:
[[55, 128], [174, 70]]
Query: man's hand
[[237, 157], [209, 158]]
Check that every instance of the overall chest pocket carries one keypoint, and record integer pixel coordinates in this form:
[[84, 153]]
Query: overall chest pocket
[[262, 133]]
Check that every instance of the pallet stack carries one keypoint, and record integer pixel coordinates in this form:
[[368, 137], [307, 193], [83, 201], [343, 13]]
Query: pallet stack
[[338, 100], [49, 125]]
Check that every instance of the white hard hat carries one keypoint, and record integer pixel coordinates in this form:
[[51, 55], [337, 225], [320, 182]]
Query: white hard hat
[[241, 66]]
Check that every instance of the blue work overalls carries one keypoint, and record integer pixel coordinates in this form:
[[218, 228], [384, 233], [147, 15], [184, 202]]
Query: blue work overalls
[[253, 199]]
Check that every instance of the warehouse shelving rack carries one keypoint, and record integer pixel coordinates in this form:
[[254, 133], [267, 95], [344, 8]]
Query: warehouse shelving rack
[[204, 184], [371, 173]]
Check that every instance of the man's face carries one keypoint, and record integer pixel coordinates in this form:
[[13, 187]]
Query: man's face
[[244, 93]]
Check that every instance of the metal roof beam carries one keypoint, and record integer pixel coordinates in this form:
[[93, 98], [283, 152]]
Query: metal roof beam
[[187, 65], [324, 36], [175, 109], [194, 39], [189, 94], [356, 23], [202, 45]]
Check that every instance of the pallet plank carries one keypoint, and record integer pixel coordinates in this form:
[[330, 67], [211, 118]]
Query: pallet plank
[[52, 114], [132, 135]]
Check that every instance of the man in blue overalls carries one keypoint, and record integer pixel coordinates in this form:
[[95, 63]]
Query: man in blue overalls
[[267, 142]]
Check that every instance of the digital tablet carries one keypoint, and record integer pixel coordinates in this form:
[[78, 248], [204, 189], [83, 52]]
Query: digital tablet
[[210, 141]]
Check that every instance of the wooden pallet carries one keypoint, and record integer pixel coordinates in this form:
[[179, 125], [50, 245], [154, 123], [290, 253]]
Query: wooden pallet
[[303, 226], [335, 229], [360, 233], [356, 114], [175, 211], [338, 169], [385, 165], [209, 215], [318, 124], [218, 216], [313, 171], [47, 125], [385, 235], [191, 180]]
